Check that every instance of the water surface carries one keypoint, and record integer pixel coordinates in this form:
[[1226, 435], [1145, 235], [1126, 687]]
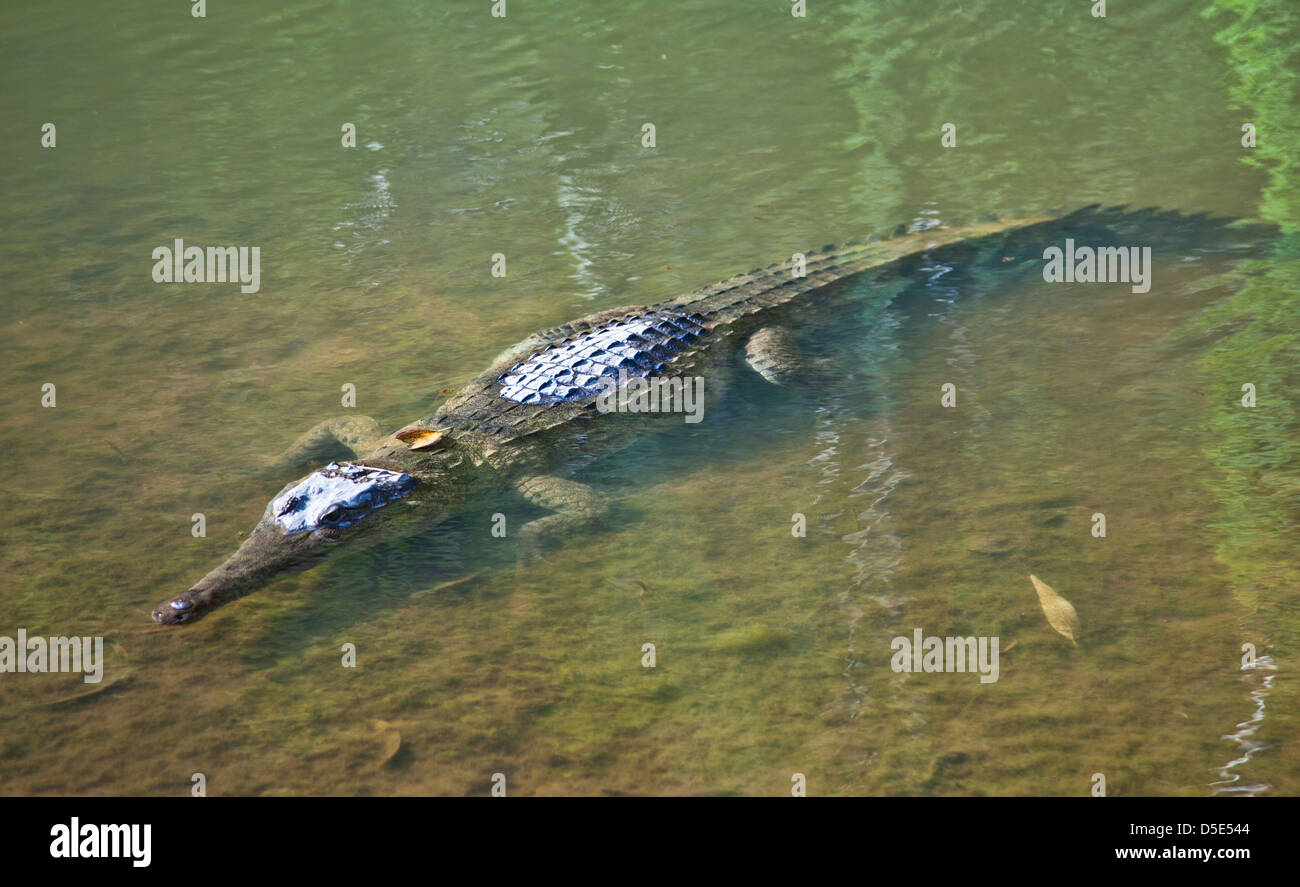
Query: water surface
[[774, 134]]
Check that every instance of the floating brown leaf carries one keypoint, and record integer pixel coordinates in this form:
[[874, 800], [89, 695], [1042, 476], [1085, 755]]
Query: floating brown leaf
[[391, 738], [420, 438], [1059, 612]]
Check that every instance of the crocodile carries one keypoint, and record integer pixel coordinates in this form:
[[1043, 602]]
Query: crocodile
[[516, 425]]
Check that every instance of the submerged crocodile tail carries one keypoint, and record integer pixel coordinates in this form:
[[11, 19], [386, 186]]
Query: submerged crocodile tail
[[777, 284]]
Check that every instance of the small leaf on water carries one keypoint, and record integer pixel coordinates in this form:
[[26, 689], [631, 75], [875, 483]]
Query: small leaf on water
[[391, 738], [1059, 612], [420, 438]]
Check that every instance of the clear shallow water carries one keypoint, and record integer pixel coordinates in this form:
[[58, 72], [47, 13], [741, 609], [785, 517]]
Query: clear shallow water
[[522, 136]]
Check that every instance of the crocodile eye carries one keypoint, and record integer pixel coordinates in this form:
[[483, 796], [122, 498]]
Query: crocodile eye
[[334, 515], [182, 605]]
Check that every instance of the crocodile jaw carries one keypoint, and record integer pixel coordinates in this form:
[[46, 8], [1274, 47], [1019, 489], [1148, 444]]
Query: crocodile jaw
[[266, 555]]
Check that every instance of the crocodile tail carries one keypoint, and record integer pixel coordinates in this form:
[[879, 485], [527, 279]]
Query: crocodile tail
[[993, 235]]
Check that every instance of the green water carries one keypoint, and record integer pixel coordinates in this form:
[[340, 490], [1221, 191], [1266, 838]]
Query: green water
[[522, 136]]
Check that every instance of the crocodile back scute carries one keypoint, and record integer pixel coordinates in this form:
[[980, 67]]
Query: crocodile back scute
[[637, 346]]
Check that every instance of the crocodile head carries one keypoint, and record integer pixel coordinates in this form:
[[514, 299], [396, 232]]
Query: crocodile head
[[303, 523]]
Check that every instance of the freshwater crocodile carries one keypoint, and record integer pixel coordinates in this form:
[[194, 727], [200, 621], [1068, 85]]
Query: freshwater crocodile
[[529, 413]]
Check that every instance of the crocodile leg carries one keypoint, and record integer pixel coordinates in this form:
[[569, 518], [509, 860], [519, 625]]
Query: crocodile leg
[[360, 434], [575, 505], [773, 353]]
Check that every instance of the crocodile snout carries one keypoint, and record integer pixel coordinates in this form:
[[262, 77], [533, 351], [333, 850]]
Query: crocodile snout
[[175, 611]]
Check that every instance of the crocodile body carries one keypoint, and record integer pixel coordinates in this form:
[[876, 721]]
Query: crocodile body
[[676, 337], [529, 413]]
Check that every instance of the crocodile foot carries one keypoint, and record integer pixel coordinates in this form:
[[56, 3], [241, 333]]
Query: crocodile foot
[[359, 434], [576, 506]]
